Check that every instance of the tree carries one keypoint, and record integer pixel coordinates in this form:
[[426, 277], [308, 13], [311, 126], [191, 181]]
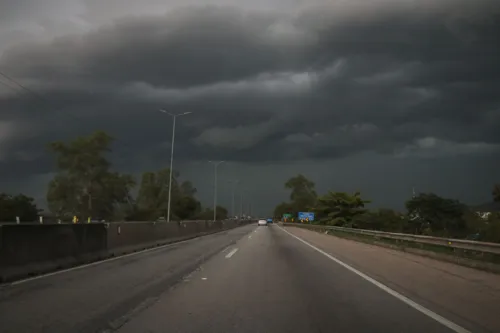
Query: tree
[[381, 219], [221, 213], [19, 205], [85, 185], [188, 189], [496, 193], [283, 208], [302, 196], [152, 199], [491, 232], [208, 214], [186, 206], [339, 208], [435, 215]]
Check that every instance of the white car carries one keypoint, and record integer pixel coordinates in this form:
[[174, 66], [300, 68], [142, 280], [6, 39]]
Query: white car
[[262, 222]]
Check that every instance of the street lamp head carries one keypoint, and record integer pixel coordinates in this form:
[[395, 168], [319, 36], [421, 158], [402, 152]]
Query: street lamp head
[[165, 111], [175, 115]]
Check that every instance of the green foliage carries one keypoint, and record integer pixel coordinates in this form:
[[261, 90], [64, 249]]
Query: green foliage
[[336, 208], [283, 208], [18, 205], [208, 214], [186, 206], [85, 186], [383, 220], [431, 214], [491, 231], [339, 208], [427, 213], [483, 229], [152, 199], [302, 195]]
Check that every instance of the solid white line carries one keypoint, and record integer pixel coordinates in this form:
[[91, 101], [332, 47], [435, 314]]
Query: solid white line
[[451, 325], [230, 254], [96, 263]]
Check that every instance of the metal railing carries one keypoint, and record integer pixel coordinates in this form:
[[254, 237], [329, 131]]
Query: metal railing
[[462, 244]]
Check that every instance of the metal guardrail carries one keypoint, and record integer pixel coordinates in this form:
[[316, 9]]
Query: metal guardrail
[[462, 244]]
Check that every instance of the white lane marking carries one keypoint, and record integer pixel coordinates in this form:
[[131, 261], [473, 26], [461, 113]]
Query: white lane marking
[[230, 254], [96, 263], [443, 321], [250, 237], [203, 278]]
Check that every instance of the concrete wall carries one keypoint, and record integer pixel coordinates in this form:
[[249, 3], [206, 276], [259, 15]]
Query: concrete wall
[[27, 250]]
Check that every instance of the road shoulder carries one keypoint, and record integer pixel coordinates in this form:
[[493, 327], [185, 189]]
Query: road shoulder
[[464, 295]]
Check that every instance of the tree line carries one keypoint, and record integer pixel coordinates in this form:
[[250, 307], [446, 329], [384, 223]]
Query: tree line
[[426, 213], [86, 186]]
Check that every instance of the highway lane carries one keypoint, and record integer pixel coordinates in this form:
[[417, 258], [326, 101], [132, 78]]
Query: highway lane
[[271, 282], [90, 298], [250, 279], [467, 296]]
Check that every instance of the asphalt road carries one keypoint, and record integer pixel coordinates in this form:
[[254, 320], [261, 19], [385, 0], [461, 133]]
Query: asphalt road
[[249, 279]]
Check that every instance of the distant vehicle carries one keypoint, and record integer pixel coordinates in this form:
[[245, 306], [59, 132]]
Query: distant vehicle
[[262, 222], [269, 220]]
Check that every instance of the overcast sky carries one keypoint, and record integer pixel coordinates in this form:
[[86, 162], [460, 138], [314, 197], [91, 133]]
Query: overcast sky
[[372, 95]]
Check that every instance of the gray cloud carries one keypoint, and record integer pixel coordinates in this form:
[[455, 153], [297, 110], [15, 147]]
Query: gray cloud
[[327, 81]]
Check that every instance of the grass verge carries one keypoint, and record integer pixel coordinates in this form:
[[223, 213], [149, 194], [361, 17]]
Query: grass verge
[[485, 261]]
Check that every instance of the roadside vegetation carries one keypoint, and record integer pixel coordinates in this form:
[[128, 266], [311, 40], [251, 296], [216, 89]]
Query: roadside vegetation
[[426, 213], [86, 185]]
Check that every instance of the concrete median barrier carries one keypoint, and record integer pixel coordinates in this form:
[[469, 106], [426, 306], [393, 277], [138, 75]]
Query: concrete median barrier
[[28, 250]]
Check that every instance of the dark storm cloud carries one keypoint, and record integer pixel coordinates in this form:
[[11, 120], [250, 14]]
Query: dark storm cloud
[[267, 87], [188, 47]]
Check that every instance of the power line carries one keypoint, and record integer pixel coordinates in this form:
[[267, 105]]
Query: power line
[[9, 86], [26, 89], [45, 100]]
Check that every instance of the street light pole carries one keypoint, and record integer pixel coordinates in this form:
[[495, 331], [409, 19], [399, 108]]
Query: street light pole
[[234, 183], [216, 164], [241, 203], [172, 159]]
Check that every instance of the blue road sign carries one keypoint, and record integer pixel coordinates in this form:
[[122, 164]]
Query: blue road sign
[[306, 216]]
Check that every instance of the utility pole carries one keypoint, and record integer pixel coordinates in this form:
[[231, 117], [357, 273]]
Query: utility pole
[[216, 164], [172, 159]]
